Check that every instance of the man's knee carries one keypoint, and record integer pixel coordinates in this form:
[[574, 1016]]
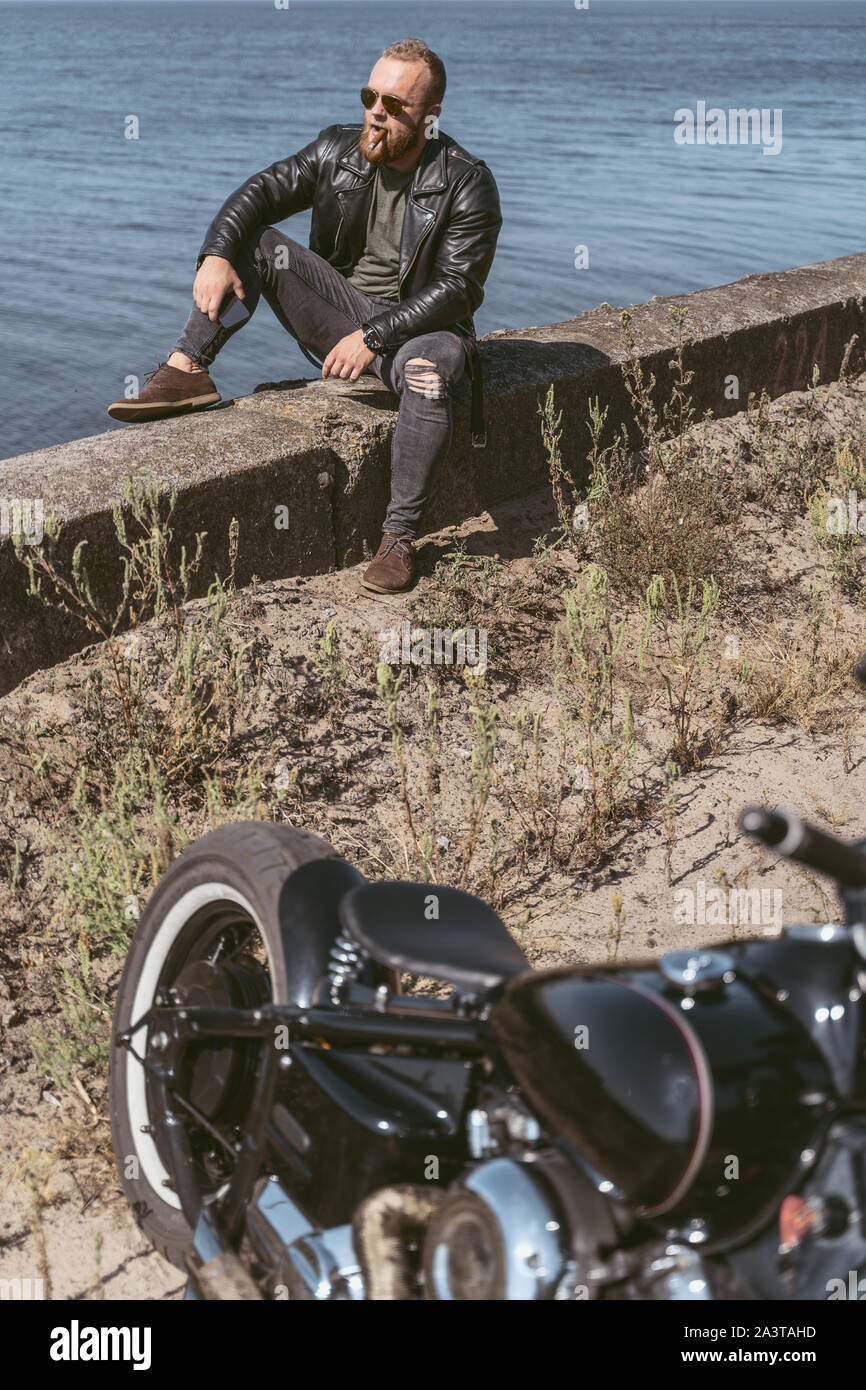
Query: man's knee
[[431, 364], [275, 248], [421, 376]]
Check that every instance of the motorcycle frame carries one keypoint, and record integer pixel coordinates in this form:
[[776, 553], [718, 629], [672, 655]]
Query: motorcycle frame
[[343, 1025]]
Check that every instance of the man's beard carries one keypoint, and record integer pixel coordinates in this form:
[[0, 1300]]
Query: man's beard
[[390, 147]]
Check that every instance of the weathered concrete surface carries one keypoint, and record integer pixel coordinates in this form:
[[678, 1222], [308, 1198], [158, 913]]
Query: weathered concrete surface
[[223, 464], [322, 449]]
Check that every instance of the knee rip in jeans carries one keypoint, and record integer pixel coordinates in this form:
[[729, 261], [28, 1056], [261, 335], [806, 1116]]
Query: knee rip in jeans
[[424, 380]]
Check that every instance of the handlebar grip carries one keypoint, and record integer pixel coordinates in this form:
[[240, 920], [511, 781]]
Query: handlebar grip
[[787, 834]]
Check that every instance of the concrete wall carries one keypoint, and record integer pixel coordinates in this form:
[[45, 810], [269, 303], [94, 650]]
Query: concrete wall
[[322, 449]]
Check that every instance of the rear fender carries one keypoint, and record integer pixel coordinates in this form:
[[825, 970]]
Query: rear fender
[[309, 923]]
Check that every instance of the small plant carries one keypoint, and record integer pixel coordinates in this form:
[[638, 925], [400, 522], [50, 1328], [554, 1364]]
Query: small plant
[[678, 413], [804, 677], [16, 872], [430, 841], [839, 546], [667, 508], [332, 668], [530, 766], [615, 927], [836, 521], [175, 699], [481, 767], [102, 864], [783, 453], [388, 688], [36, 1171], [149, 586], [673, 772], [561, 481], [496, 860], [576, 509], [675, 636], [851, 354], [481, 770], [87, 1016], [641, 392], [585, 685], [463, 588]]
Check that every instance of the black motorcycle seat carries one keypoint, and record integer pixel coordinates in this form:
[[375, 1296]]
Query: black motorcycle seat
[[425, 929]]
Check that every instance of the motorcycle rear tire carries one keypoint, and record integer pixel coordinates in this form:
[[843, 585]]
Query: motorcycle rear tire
[[245, 868]]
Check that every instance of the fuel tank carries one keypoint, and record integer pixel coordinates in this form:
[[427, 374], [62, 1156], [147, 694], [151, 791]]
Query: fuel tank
[[694, 1088]]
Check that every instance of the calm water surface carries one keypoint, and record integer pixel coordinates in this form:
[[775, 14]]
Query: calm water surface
[[573, 110]]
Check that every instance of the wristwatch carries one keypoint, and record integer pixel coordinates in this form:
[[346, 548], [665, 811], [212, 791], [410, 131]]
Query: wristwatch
[[373, 341]]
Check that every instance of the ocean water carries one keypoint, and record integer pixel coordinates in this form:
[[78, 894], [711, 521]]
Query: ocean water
[[572, 109]]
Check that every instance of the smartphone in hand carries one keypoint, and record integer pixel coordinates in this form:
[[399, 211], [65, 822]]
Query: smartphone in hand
[[235, 312]]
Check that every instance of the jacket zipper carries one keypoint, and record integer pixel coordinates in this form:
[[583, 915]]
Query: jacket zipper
[[414, 255]]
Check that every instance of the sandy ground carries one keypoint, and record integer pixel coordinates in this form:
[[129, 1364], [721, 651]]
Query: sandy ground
[[62, 1217]]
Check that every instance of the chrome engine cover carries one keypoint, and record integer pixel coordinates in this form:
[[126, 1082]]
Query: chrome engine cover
[[526, 1229]]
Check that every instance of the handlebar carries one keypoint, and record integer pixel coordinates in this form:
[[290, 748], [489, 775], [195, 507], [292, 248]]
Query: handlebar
[[787, 834]]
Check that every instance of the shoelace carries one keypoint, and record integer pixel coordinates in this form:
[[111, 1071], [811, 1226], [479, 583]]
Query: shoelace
[[400, 545], [158, 367], [152, 374]]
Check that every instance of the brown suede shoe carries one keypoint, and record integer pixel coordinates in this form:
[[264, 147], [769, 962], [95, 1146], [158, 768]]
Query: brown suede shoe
[[167, 391], [392, 567]]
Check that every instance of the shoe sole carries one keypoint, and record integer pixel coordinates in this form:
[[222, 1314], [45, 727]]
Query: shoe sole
[[129, 411], [379, 589]]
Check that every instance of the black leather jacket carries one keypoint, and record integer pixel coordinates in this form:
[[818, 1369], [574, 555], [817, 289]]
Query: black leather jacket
[[450, 229]]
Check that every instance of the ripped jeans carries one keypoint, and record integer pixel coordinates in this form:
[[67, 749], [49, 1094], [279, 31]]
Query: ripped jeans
[[318, 307]]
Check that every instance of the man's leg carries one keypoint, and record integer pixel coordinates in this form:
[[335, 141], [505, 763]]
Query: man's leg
[[423, 372], [313, 302]]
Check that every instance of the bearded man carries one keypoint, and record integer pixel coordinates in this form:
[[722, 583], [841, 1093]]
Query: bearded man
[[403, 234]]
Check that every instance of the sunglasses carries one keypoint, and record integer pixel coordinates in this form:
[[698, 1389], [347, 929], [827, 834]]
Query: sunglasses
[[393, 105]]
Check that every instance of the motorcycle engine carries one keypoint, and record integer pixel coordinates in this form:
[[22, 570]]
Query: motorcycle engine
[[529, 1227], [523, 1223], [499, 1234]]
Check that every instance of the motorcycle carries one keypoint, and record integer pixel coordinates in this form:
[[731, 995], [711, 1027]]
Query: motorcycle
[[288, 1124]]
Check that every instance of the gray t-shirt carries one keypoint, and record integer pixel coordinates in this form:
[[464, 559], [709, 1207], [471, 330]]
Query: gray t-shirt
[[377, 271]]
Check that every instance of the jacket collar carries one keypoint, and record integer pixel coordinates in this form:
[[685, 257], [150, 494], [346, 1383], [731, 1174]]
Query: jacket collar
[[430, 171]]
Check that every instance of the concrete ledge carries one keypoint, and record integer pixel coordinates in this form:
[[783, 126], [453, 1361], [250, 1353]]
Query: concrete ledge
[[322, 449]]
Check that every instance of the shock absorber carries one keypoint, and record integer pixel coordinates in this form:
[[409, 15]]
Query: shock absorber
[[346, 960]]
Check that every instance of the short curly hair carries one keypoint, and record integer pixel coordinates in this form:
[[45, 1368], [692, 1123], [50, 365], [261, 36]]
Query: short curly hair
[[415, 50]]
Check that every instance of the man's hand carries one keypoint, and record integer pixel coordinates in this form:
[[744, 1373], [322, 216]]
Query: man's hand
[[216, 276], [349, 358]]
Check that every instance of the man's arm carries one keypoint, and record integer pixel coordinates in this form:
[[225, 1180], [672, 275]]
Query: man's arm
[[270, 196], [463, 263]]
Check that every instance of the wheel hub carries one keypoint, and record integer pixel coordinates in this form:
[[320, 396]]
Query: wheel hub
[[215, 1075]]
